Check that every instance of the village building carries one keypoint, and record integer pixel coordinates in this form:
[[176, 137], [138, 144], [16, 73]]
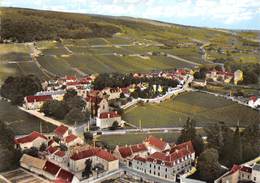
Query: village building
[[34, 139], [154, 144], [35, 102], [106, 119], [98, 156], [55, 94], [254, 102], [32, 164], [238, 76], [50, 170], [168, 164], [61, 131], [255, 176], [59, 156], [126, 153], [72, 140], [112, 93], [52, 143]]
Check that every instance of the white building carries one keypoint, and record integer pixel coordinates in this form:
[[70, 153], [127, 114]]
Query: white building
[[35, 102], [34, 139], [72, 140], [168, 164], [255, 176], [106, 119]]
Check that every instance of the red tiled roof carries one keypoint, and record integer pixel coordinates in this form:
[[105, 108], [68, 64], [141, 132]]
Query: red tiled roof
[[84, 154], [105, 115], [65, 176], [51, 142], [138, 148], [153, 141], [29, 138], [138, 158], [186, 145], [125, 90], [51, 168], [246, 169], [61, 130], [52, 150], [71, 78], [105, 155], [254, 98], [70, 138], [41, 98], [125, 151], [72, 83], [60, 153]]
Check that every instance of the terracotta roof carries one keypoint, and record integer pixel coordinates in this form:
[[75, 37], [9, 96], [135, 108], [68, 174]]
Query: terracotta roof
[[153, 141], [138, 148], [254, 98], [105, 155], [52, 150], [106, 115], [29, 138], [84, 154], [51, 142], [186, 145], [61, 130], [138, 158], [41, 98], [60, 153], [70, 138], [72, 83], [71, 78], [65, 176], [32, 161], [246, 169], [51, 168], [125, 151], [93, 152]]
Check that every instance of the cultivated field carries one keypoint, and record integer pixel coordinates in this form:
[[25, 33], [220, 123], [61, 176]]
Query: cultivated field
[[20, 122], [204, 108]]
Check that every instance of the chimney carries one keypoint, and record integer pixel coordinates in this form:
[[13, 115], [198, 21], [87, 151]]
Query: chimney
[[108, 115]]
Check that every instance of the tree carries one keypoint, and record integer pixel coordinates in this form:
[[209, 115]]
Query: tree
[[10, 156], [74, 102], [43, 147], [114, 126], [88, 137], [70, 94], [16, 88], [54, 108], [33, 151], [208, 166], [188, 133], [76, 115], [88, 168]]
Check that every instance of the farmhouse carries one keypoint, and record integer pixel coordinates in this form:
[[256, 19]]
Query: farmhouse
[[98, 156], [35, 102], [154, 144], [34, 139], [168, 164], [106, 119]]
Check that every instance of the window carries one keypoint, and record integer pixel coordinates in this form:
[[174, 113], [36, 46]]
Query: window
[[158, 167], [254, 178], [165, 169], [166, 176], [158, 173], [150, 165], [154, 173]]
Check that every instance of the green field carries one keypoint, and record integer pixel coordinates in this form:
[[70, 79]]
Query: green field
[[204, 108], [114, 140], [20, 122]]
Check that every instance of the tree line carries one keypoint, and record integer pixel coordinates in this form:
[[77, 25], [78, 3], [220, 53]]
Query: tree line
[[25, 25]]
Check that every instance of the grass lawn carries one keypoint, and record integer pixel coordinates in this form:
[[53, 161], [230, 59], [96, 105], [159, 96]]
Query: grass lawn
[[113, 140], [21, 122], [204, 108]]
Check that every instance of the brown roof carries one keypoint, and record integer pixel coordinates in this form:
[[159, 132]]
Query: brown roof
[[65, 176], [51, 168], [61, 130], [29, 138], [32, 161], [153, 141]]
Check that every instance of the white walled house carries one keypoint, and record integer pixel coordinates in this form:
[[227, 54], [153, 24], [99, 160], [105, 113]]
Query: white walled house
[[255, 176], [34, 139], [168, 164], [78, 159], [154, 144], [35, 102], [72, 140], [106, 119]]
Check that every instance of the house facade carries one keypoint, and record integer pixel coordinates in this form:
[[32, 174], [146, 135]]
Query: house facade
[[106, 119], [35, 102]]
